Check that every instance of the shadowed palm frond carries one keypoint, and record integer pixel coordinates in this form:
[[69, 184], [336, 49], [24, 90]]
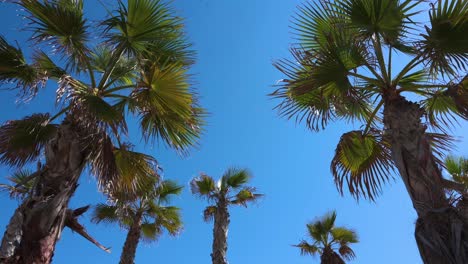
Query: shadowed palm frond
[[208, 213], [170, 219], [108, 214], [124, 71], [444, 46], [204, 186], [22, 141], [20, 184], [234, 178], [346, 252], [363, 161], [61, 23], [166, 189], [308, 249], [14, 69]]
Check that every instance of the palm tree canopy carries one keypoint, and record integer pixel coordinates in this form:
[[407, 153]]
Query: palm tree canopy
[[342, 70], [325, 234], [152, 203], [137, 69], [231, 187]]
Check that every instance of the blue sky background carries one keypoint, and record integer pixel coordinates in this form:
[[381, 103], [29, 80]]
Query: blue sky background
[[237, 40]]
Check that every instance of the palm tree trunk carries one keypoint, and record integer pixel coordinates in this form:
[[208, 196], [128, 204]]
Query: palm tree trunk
[[220, 231], [37, 224], [131, 242], [441, 233], [330, 257]]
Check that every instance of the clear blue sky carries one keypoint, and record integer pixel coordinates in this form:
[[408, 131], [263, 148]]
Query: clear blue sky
[[236, 42]]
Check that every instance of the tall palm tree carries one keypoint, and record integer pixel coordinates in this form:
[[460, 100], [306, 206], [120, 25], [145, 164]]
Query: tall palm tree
[[20, 185], [343, 70], [230, 190], [327, 239], [134, 62], [145, 217]]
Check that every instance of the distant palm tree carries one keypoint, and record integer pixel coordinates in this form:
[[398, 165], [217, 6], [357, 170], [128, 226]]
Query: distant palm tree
[[145, 217], [330, 242], [457, 167], [229, 190], [132, 63], [344, 68]]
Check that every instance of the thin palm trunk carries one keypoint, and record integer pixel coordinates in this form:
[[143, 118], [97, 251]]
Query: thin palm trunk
[[441, 233], [37, 224], [330, 257], [131, 242], [220, 231]]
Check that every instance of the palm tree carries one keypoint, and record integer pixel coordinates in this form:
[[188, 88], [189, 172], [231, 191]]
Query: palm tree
[[229, 190], [20, 185], [133, 63], [327, 239], [145, 217], [342, 70]]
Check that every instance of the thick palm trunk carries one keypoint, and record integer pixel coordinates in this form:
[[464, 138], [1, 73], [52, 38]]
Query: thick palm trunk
[[220, 231], [330, 257], [131, 242], [37, 224], [441, 233]]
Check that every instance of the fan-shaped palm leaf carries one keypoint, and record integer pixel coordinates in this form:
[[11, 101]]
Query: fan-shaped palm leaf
[[308, 249], [246, 195], [203, 186], [234, 178], [21, 183]]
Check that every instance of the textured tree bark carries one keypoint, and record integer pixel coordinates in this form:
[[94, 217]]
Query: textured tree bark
[[131, 242], [37, 224], [220, 232], [441, 233], [330, 257]]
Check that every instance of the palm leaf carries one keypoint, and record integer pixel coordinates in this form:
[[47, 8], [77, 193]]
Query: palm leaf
[[22, 141], [307, 249], [343, 235], [363, 161], [245, 195], [20, 184], [124, 71], [14, 68], [104, 213], [203, 186], [234, 178], [166, 189], [209, 212], [62, 23], [150, 231], [170, 219], [346, 252], [445, 43], [167, 108]]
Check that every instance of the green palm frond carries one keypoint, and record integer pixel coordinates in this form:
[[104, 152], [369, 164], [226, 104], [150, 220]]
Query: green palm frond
[[22, 141], [245, 195], [234, 178], [209, 212], [204, 186], [124, 71], [15, 69], [363, 161], [167, 108], [170, 219], [445, 43], [20, 184], [134, 27], [62, 23], [46, 67], [109, 214], [457, 167], [150, 231], [344, 235], [166, 189], [308, 249]]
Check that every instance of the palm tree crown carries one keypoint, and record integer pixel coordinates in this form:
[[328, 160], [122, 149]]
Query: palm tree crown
[[327, 239]]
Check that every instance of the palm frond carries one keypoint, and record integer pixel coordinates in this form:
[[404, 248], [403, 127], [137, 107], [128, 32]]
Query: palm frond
[[166, 189], [445, 43], [234, 178], [22, 141], [343, 235], [307, 249], [15, 69], [346, 252], [170, 219], [20, 184], [167, 108], [246, 195], [104, 213], [209, 212], [204, 186], [150, 231], [61, 23], [124, 71], [457, 167], [363, 161]]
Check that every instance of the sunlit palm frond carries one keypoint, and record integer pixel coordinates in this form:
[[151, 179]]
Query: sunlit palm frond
[[246, 195], [209, 212], [445, 43], [124, 71], [363, 161], [61, 23], [308, 249], [457, 167], [167, 108], [203, 186], [343, 235], [20, 184], [22, 141], [14, 69]]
